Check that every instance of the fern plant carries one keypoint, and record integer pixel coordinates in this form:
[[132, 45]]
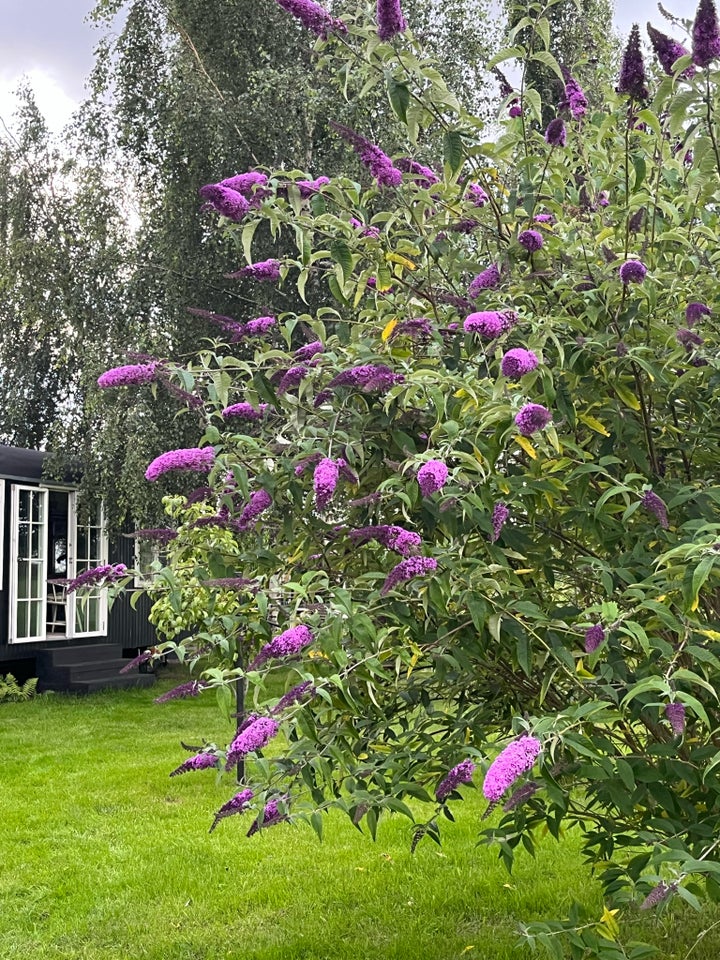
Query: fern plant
[[13, 692]]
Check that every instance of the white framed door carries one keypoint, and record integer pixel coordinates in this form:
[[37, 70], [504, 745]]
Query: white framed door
[[28, 563], [87, 548]]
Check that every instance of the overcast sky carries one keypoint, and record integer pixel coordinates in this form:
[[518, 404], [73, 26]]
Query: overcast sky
[[49, 42]]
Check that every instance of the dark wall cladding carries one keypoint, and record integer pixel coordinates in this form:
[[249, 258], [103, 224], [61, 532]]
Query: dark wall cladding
[[129, 627]]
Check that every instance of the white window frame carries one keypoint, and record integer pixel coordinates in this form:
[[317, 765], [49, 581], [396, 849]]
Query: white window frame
[[72, 598], [15, 490]]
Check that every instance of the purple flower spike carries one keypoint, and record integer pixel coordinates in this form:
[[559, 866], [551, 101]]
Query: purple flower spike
[[519, 796], [271, 816], [594, 636], [245, 411], [237, 804], [689, 339], [632, 271], [424, 176], [259, 502], [556, 135], [407, 570], [313, 17], [104, 574], [487, 279], [201, 761], [517, 362], [476, 195], [263, 270], [489, 323], [190, 458], [675, 713], [309, 350], [225, 201], [668, 51], [325, 480], [658, 894], [308, 187], [515, 760], [705, 34], [431, 477], [632, 71], [293, 696], [128, 376], [286, 644], [291, 378], [694, 312], [532, 240], [532, 418], [654, 505], [404, 542], [390, 19], [259, 326], [515, 109], [190, 689], [371, 156], [462, 773], [252, 736], [500, 516], [575, 100]]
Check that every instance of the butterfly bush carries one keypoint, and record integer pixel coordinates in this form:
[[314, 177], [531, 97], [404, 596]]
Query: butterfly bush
[[130, 375], [545, 589]]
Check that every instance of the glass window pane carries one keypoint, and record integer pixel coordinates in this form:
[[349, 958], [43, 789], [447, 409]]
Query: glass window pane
[[36, 582], [36, 541], [37, 621], [24, 505], [82, 543], [94, 544], [94, 614], [22, 619], [24, 540], [23, 579]]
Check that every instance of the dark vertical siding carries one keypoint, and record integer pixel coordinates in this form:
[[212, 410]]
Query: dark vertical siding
[[126, 626]]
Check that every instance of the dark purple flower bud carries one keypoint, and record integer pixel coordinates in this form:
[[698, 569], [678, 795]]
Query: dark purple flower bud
[[520, 796], [390, 19], [238, 804], [532, 240], [367, 377], [556, 135], [517, 362], [465, 226], [129, 375], [500, 516], [190, 689], [689, 339], [694, 312], [515, 109], [201, 761], [603, 199], [407, 570], [621, 349], [225, 201], [675, 713], [291, 378], [548, 218], [462, 773], [313, 17], [271, 816], [136, 661], [658, 894], [309, 350], [371, 156], [653, 504], [259, 502], [705, 34], [293, 696], [532, 418], [632, 71], [632, 271], [594, 636], [668, 51], [487, 279], [286, 644], [404, 542], [636, 221], [415, 327]]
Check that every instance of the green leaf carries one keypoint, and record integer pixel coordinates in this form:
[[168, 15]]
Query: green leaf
[[453, 150], [399, 96], [340, 252], [544, 56]]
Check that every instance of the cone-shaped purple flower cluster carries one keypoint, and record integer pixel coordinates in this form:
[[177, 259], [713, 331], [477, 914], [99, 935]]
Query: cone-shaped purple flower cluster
[[407, 570], [487, 279], [515, 760], [263, 270], [293, 696], [404, 542], [654, 505], [414, 327], [308, 187], [271, 816], [371, 156], [462, 773], [574, 100], [369, 377], [668, 51], [291, 378], [694, 312], [258, 503], [632, 271], [519, 796], [190, 689], [658, 894], [424, 176], [705, 34], [130, 375], [390, 19], [189, 458], [477, 196], [594, 636], [500, 516], [632, 70], [532, 240], [286, 644], [309, 350], [555, 134], [225, 201], [675, 713], [104, 574], [313, 17], [517, 362], [532, 418], [201, 761], [253, 735], [245, 411], [490, 324], [431, 477], [237, 804], [325, 479]]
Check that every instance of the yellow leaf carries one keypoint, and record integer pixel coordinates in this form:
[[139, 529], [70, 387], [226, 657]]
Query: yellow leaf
[[608, 926], [387, 332], [593, 423], [627, 396], [582, 672], [526, 570], [470, 946], [604, 234], [460, 393], [711, 634], [399, 258], [527, 447], [695, 604]]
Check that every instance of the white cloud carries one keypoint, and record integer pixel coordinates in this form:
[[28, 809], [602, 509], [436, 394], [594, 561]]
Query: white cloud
[[55, 105]]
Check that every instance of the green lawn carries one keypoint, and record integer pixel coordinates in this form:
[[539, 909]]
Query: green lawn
[[103, 857]]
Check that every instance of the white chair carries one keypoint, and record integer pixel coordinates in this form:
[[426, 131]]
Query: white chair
[[57, 615]]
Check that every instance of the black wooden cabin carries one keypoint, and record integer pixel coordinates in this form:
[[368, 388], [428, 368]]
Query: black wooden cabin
[[71, 641]]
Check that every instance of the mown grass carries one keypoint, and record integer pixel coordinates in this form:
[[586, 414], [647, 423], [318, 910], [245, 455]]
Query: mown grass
[[102, 857]]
